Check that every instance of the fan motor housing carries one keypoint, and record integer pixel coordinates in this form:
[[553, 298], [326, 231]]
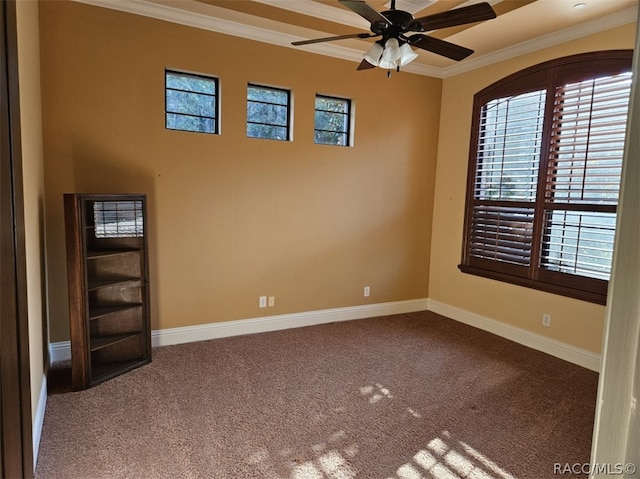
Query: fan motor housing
[[400, 20]]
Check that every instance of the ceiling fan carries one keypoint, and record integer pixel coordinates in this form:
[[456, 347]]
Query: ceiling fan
[[394, 49]]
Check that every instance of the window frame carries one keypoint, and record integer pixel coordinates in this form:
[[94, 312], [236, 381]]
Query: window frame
[[548, 76], [216, 103], [347, 115], [288, 125]]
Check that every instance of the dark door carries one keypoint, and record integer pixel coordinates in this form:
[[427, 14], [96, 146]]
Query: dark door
[[16, 456]]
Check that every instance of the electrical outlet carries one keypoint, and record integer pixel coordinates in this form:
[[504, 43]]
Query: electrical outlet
[[546, 320], [262, 301], [272, 301], [367, 291]]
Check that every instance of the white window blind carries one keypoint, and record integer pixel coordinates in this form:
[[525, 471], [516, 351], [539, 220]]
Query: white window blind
[[585, 165], [579, 242], [509, 147], [508, 156]]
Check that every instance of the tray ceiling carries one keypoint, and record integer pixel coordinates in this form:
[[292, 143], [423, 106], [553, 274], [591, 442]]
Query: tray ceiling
[[521, 25]]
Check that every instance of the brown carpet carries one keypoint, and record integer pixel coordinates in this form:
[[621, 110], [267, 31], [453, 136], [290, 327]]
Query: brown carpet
[[403, 397]]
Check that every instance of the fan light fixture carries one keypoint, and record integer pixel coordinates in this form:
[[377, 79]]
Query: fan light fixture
[[390, 56], [374, 54], [407, 55]]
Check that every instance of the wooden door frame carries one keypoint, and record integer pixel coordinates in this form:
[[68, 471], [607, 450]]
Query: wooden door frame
[[16, 446]]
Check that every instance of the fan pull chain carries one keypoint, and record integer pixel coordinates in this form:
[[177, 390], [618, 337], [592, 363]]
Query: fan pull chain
[[389, 71]]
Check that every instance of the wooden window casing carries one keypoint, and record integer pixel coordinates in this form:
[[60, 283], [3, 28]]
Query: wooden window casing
[[544, 172]]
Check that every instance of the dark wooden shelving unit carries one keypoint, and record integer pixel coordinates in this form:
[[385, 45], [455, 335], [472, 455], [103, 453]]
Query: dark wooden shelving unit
[[107, 269]]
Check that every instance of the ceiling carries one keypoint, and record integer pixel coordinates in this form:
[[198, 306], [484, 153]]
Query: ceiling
[[521, 26]]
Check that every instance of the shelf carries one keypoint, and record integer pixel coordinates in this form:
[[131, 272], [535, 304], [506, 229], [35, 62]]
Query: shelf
[[110, 369], [94, 284], [99, 342], [99, 312], [110, 252]]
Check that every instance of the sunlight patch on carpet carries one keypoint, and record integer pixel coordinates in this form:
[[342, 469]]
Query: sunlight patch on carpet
[[443, 456], [331, 460], [414, 413], [307, 471], [486, 462], [444, 459], [331, 464], [375, 393]]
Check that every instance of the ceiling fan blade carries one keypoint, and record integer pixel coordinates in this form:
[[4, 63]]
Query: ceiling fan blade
[[365, 65], [366, 11], [330, 39], [458, 16], [441, 47]]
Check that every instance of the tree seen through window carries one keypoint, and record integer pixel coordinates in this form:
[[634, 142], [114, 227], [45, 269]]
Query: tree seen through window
[[191, 102]]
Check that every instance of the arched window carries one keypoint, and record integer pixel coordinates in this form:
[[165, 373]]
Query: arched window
[[544, 171]]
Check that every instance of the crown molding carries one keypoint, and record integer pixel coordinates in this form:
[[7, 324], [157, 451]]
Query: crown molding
[[315, 9], [195, 19], [239, 29], [342, 15], [618, 19], [270, 35]]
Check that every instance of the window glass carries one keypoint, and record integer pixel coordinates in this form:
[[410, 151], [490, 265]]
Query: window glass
[[332, 121], [191, 102], [267, 113]]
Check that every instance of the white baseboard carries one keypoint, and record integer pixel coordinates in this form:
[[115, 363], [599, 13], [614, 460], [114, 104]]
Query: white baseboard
[[561, 350], [38, 420], [61, 351], [164, 337]]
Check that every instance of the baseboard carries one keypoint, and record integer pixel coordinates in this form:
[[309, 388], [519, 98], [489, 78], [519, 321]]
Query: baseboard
[[38, 420], [561, 350], [61, 351], [166, 337]]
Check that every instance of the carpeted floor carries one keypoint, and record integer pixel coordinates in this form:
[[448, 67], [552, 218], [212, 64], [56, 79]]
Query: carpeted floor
[[402, 397]]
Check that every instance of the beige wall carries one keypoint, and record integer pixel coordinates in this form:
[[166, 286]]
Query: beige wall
[[33, 184], [233, 218], [573, 322]]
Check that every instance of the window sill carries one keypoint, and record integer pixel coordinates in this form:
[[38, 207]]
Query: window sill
[[589, 296]]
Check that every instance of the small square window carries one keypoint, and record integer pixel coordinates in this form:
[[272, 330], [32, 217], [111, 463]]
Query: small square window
[[268, 113], [333, 120], [191, 102]]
